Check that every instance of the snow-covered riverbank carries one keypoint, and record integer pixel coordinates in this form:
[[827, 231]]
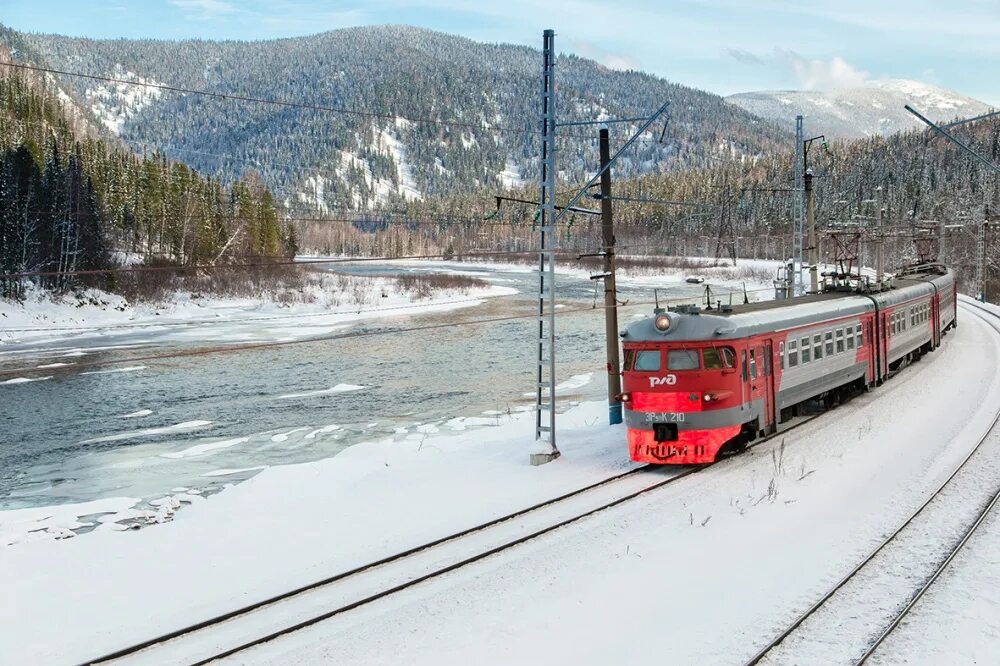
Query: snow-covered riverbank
[[323, 306]]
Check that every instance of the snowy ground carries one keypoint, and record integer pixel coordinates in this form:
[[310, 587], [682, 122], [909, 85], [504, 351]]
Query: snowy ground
[[706, 570], [740, 547], [336, 303]]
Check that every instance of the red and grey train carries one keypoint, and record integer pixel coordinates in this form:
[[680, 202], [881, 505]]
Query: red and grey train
[[700, 382]]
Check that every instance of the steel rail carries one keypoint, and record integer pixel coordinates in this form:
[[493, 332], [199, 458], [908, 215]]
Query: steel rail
[[218, 620], [790, 629]]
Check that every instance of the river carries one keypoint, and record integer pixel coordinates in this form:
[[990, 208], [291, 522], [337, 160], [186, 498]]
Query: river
[[202, 422]]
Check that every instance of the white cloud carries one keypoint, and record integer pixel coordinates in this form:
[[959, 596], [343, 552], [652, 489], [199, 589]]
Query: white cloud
[[825, 74], [610, 60], [810, 74], [203, 9]]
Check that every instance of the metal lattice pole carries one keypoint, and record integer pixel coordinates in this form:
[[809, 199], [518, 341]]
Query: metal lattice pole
[[798, 208], [981, 262], [545, 389]]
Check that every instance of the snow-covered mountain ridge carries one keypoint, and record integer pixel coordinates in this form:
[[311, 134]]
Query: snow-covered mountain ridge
[[877, 107]]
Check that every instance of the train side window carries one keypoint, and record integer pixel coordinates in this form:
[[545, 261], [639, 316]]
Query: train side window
[[743, 364], [647, 361], [728, 357], [753, 365], [793, 354], [849, 332], [859, 336], [840, 340], [829, 343], [629, 359], [781, 353], [805, 350], [817, 347], [682, 359]]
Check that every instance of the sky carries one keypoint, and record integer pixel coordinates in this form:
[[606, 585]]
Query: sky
[[725, 46]]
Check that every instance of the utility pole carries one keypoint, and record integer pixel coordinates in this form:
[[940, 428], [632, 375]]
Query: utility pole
[[813, 245], [545, 387], [610, 289]]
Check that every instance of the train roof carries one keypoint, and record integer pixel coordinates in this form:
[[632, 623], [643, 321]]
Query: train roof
[[741, 321]]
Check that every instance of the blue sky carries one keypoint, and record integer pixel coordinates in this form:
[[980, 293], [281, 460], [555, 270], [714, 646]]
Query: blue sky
[[724, 46]]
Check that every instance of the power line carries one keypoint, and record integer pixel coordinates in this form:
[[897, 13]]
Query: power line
[[283, 103]]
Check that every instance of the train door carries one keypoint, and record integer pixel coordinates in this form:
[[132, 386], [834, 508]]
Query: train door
[[884, 339], [935, 320], [757, 363], [771, 418]]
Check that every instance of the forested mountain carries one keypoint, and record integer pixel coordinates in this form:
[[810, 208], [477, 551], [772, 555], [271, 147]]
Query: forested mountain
[[72, 202], [859, 111], [316, 161], [748, 205]]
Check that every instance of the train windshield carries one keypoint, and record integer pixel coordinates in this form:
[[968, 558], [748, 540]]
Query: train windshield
[[682, 359], [647, 361]]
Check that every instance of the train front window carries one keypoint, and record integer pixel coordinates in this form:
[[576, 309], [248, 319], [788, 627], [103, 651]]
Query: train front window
[[682, 359], [647, 361]]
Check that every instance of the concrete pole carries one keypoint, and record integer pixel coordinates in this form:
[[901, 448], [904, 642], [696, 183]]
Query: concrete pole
[[610, 289], [813, 245]]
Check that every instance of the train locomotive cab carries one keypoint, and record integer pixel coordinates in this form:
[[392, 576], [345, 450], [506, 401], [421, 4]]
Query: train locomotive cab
[[682, 397]]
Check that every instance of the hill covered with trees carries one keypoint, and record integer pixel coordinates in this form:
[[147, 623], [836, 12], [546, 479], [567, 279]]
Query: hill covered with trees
[[71, 201], [436, 114]]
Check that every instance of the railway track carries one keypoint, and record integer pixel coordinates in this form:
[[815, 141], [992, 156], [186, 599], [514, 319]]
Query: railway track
[[260, 622], [882, 589]]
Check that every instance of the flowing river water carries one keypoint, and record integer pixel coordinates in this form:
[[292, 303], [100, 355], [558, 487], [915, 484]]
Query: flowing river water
[[206, 421]]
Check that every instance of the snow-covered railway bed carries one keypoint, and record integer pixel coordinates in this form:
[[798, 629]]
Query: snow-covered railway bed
[[239, 630], [850, 622], [705, 570]]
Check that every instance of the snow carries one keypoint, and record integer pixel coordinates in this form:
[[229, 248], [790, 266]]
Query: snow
[[229, 472], [24, 380], [511, 177], [129, 368], [388, 143], [339, 388], [208, 447], [753, 539], [745, 545], [133, 415], [334, 302], [148, 432], [114, 103], [958, 620], [25, 525]]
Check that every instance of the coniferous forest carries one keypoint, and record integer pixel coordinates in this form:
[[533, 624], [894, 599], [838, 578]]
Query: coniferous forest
[[71, 201]]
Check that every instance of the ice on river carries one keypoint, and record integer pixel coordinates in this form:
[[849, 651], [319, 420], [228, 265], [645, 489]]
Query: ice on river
[[208, 447], [339, 388], [148, 432], [23, 380]]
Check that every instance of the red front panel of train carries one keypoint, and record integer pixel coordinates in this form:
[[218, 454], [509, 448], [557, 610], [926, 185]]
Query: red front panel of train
[[680, 400]]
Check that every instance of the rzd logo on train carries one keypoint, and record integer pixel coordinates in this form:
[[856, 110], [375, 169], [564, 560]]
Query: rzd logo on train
[[669, 380]]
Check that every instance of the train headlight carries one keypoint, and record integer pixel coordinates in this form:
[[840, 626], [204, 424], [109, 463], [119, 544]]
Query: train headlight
[[662, 323]]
